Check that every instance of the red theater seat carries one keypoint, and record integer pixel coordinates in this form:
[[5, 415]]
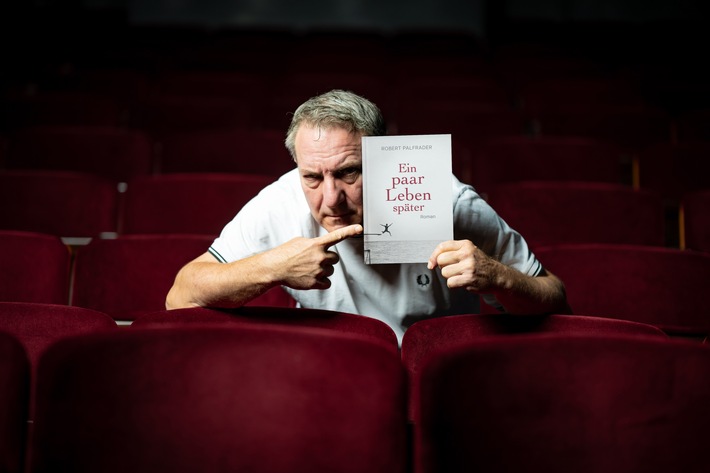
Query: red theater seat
[[631, 126], [427, 337], [239, 151], [696, 220], [181, 113], [664, 287], [14, 398], [281, 312], [66, 204], [197, 203], [548, 213], [266, 399], [111, 152], [674, 169], [35, 268], [549, 158], [565, 403], [37, 326], [131, 274]]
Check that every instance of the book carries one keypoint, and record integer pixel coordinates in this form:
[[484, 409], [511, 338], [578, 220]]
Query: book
[[407, 197]]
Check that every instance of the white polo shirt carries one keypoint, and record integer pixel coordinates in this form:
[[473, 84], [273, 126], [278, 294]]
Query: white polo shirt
[[397, 294]]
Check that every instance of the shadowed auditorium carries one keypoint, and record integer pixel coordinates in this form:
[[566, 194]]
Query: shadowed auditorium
[[132, 134]]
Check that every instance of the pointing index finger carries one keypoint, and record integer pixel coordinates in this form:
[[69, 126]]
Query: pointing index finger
[[340, 234]]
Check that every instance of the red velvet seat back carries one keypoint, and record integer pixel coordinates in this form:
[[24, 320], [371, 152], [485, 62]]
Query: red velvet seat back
[[562, 404], [548, 213], [631, 126], [114, 153], [37, 326], [426, 337], [132, 273], [674, 169], [696, 219], [187, 203], [548, 158], [659, 286], [59, 203], [262, 399], [237, 151], [275, 313], [35, 268], [14, 396]]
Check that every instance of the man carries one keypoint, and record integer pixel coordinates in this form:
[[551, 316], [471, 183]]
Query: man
[[302, 233]]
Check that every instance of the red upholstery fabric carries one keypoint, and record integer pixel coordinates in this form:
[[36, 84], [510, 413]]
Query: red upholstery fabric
[[35, 268], [473, 124], [14, 390], [263, 399], [180, 113], [674, 169], [696, 217], [37, 326], [339, 321], [582, 92], [133, 273], [630, 126], [548, 213], [238, 151], [548, 158], [187, 203], [480, 88], [426, 337], [111, 152], [60, 203], [562, 403], [659, 286]]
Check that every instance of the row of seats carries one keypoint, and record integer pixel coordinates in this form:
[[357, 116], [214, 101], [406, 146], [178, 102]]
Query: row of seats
[[123, 276], [298, 390], [130, 275], [80, 206], [631, 126], [120, 155]]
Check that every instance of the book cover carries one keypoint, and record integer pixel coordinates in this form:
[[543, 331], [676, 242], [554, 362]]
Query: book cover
[[407, 202]]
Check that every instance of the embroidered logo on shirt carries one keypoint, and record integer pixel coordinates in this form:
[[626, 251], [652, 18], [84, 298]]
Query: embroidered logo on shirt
[[423, 281]]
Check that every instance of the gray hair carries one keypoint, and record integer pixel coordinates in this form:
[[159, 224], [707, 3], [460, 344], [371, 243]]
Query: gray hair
[[336, 109]]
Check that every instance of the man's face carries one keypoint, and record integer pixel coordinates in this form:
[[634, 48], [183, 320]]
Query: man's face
[[330, 165]]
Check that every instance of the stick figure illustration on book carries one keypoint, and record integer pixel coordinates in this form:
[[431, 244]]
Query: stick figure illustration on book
[[386, 228]]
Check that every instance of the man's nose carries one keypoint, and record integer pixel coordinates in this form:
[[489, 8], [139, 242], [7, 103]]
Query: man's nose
[[333, 194]]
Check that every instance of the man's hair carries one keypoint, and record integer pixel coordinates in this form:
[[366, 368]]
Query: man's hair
[[336, 109]]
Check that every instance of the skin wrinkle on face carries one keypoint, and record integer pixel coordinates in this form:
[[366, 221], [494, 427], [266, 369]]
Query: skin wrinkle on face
[[330, 167]]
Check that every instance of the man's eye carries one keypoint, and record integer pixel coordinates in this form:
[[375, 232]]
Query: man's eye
[[350, 173]]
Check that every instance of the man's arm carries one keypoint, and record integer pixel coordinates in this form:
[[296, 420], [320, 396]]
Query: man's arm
[[302, 263], [465, 265]]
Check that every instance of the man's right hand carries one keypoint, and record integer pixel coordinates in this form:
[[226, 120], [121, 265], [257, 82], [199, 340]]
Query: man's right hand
[[307, 263]]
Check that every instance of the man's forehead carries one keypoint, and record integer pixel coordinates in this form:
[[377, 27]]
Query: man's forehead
[[314, 134]]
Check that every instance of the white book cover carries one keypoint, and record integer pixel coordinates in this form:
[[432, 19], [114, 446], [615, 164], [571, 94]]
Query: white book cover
[[407, 201]]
